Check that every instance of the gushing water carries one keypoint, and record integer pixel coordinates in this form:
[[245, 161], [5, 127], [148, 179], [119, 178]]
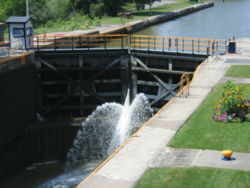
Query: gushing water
[[107, 128], [101, 133]]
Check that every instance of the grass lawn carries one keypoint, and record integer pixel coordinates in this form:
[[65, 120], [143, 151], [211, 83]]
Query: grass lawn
[[202, 132], [80, 22], [194, 177], [240, 71]]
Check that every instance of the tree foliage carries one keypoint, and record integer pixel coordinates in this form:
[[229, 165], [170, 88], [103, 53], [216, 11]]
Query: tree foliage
[[48, 10]]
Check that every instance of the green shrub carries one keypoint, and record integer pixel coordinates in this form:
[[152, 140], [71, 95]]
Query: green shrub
[[248, 117]]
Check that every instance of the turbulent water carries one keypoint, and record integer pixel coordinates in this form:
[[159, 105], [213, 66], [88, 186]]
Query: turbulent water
[[107, 128], [101, 133]]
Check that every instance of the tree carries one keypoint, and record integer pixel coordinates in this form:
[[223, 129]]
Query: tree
[[83, 5], [112, 7], [140, 4]]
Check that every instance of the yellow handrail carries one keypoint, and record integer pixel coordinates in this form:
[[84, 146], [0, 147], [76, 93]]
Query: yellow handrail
[[184, 90]]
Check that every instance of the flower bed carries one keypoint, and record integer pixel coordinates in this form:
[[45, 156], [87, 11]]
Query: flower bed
[[232, 106]]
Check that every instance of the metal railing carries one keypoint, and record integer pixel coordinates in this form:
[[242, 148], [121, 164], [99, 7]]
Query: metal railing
[[184, 88], [125, 41]]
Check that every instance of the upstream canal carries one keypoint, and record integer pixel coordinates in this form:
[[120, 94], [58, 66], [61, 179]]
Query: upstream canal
[[226, 19]]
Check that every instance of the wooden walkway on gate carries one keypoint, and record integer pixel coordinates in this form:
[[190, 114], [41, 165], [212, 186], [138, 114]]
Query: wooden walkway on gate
[[132, 42]]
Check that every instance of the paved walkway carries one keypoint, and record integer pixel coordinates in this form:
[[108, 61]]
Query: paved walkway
[[169, 157], [129, 163]]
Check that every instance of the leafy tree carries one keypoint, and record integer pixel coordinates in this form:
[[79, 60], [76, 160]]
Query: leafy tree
[[140, 4], [83, 5], [112, 7]]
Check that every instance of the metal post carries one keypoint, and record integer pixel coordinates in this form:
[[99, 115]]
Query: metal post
[[105, 43], [27, 8], [183, 44], [154, 43], [213, 48], [148, 44], [140, 43], [72, 42], [80, 41], [134, 42], [176, 43], [163, 44], [37, 45], [169, 44], [88, 41], [122, 42], [55, 42], [198, 45], [193, 46]]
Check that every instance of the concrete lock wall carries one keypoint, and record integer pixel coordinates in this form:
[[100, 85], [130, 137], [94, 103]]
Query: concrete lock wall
[[17, 99], [39, 143]]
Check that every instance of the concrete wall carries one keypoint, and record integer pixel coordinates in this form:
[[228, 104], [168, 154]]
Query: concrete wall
[[138, 25], [141, 24]]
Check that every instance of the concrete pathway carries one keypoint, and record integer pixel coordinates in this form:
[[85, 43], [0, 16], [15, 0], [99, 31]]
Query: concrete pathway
[[131, 161], [169, 157]]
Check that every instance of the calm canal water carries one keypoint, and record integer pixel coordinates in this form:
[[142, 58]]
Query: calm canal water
[[223, 21]]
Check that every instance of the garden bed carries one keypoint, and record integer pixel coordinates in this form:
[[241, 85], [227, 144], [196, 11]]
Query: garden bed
[[201, 131]]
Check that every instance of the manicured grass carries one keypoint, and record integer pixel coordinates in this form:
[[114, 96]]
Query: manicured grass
[[240, 71], [194, 177], [80, 22], [202, 132]]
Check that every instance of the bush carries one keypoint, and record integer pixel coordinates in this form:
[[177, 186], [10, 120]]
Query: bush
[[248, 117], [231, 106]]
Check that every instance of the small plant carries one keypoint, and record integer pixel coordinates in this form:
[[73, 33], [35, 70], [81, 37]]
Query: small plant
[[231, 107], [248, 117]]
